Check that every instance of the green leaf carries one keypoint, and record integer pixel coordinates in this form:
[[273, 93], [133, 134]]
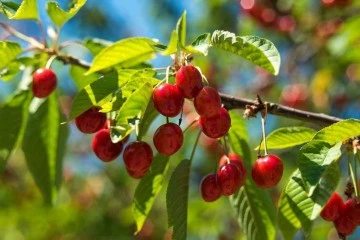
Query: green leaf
[[288, 137], [253, 206], [149, 116], [135, 82], [44, 147], [12, 131], [298, 209], [148, 189], [173, 44], [133, 108], [177, 200], [202, 43], [339, 131], [10, 71], [8, 52], [124, 53], [181, 30], [26, 10], [59, 16], [259, 51], [80, 80], [96, 45]]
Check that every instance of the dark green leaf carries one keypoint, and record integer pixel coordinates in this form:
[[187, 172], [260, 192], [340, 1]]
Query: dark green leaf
[[149, 116], [177, 200], [60, 16]]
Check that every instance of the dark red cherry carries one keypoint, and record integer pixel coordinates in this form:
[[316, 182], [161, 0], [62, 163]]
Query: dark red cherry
[[236, 160], [229, 179], [207, 103], [210, 189], [168, 139], [267, 171], [344, 223], [189, 80], [138, 156], [333, 208], [44, 82], [168, 100], [91, 121], [353, 210], [217, 125], [137, 174], [104, 148]]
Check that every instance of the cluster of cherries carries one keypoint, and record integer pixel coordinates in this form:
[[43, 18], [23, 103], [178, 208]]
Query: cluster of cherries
[[44, 82], [345, 215]]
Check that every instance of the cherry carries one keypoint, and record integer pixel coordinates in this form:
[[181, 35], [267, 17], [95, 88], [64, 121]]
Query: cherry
[[353, 210], [344, 223], [237, 161], [217, 125], [210, 189], [333, 209], [229, 179], [138, 157], [207, 103], [91, 120], [104, 148], [168, 100], [189, 80], [267, 171], [44, 82], [137, 174], [168, 139]]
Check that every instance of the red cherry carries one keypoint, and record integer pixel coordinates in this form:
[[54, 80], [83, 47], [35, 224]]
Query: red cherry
[[216, 126], [267, 171], [168, 139], [237, 161], [168, 100], [138, 156], [344, 223], [137, 174], [210, 189], [333, 209], [353, 210], [44, 82], [91, 121], [207, 103], [104, 148], [189, 80], [229, 179]]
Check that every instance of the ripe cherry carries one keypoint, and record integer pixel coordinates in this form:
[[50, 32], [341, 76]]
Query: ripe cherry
[[137, 174], [229, 179], [236, 160], [333, 209], [217, 125], [138, 157], [267, 171], [344, 223], [168, 139], [104, 148], [189, 80], [44, 82], [91, 121], [353, 210], [207, 103], [168, 100], [210, 189]]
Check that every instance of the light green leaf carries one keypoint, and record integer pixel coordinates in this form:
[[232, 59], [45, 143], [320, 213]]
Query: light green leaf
[[124, 53], [135, 82], [8, 52], [10, 71], [148, 189], [133, 109], [12, 131], [149, 116], [339, 131], [177, 200], [202, 43], [80, 80], [181, 30], [288, 137], [96, 45], [259, 51], [44, 147], [173, 44], [26, 10], [253, 206], [59, 16]]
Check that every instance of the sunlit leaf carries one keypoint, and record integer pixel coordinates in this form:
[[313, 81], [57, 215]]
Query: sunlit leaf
[[80, 80], [26, 10], [60, 16], [96, 45], [8, 52]]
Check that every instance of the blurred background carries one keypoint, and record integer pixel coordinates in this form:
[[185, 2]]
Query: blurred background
[[319, 43]]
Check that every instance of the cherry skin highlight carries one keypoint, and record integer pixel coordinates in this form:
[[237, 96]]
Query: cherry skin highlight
[[216, 126], [207, 103], [138, 156], [168, 100], [104, 148], [168, 139], [189, 80], [333, 209], [44, 82], [210, 189], [229, 179], [91, 121], [237, 161], [267, 171]]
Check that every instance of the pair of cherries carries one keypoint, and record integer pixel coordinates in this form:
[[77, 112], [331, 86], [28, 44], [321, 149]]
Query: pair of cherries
[[137, 156], [345, 215]]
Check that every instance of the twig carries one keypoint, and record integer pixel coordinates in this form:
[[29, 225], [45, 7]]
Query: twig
[[22, 36]]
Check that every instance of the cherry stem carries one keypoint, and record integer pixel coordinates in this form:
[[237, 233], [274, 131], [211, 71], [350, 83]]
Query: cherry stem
[[263, 133], [50, 61], [195, 145], [167, 74], [189, 126], [181, 115], [352, 169]]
